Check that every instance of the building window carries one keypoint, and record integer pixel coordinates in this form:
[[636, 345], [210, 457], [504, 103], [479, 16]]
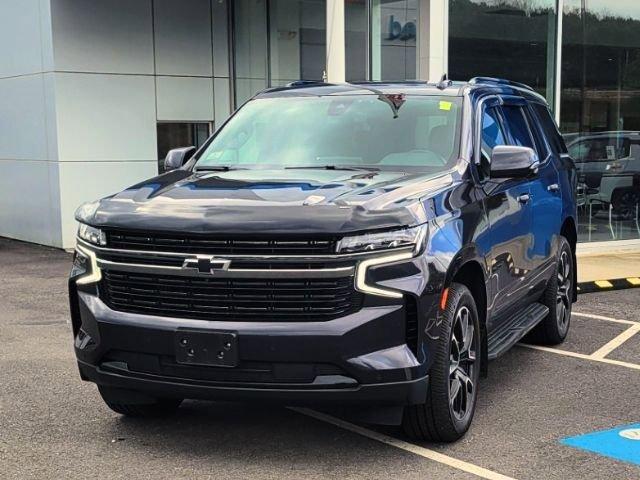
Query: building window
[[513, 39], [600, 114], [174, 135]]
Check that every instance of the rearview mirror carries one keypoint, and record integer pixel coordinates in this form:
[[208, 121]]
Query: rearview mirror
[[177, 157], [512, 161]]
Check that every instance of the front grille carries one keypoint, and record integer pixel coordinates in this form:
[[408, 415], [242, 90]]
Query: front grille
[[208, 244], [312, 299]]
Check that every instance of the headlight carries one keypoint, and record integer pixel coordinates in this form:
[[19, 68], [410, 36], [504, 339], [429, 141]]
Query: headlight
[[363, 266], [85, 267], [92, 235], [407, 237]]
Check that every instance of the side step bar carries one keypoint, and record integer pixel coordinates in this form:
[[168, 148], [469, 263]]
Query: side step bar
[[514, 328]]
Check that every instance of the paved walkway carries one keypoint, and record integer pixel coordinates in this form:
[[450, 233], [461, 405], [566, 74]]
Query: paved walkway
[[607, 261]]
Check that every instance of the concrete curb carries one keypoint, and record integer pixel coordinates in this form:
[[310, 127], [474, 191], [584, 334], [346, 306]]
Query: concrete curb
[[605, 285]]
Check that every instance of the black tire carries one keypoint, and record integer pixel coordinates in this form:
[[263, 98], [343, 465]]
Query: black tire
[[624, 201], [440, 419], [558, 297], [148, 407]]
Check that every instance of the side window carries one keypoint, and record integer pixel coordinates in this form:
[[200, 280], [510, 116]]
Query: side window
[[578, 151], [517, 126], [549, 128], [605, 149], [538, 136], [492, 135]]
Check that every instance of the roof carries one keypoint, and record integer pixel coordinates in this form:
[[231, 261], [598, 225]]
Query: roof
[[414, 87]]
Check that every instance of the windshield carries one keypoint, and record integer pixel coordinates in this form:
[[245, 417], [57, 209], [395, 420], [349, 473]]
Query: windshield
[[376, 131]]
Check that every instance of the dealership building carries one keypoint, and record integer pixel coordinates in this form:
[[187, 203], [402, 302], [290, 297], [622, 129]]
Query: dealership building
[[94, 93]]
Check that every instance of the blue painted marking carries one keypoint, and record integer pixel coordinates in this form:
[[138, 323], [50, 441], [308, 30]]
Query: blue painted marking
[[609, 443]]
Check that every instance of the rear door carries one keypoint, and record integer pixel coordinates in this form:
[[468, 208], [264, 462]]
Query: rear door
[[546, 199]]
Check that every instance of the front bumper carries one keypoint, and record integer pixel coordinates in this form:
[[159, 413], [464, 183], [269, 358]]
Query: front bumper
[[363, 357], [391, 393]]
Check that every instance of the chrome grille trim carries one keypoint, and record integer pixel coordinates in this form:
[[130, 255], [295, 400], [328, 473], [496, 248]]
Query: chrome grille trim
[[230, 273]]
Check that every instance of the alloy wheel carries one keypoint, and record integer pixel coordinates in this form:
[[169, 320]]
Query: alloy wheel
[[563, 297], [462, 364]]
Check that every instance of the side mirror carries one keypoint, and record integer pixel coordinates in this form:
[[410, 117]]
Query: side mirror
[[177, 157], [511, 161]]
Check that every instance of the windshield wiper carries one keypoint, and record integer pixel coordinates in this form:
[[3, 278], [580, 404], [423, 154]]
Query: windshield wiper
[[333, 167], [216, 168]]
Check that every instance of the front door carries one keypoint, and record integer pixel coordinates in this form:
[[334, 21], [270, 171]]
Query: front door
[[508, 208]]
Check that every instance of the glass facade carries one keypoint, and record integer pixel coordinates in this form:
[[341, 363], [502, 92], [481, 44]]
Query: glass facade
[[276, 42], [512, 39], [597, 102], [381, 39], [600, 113], [394, 29], [356, 39]]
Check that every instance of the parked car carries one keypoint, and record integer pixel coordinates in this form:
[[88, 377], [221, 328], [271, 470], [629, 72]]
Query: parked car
[[368, 245], [608, 166]]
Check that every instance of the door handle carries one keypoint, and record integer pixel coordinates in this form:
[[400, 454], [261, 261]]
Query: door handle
[[554, 187], [524, 198]]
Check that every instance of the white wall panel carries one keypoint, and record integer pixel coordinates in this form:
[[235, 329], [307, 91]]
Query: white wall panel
[[86, 181], [27, 201], [185, 98], [22, 118], [112, 36], [183, 37], [46, 36], [220, 39], [20, 37], [50, 118], [222, 100], [105, 117]]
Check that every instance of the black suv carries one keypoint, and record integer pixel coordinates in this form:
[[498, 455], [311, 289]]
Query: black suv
[[370, 246]]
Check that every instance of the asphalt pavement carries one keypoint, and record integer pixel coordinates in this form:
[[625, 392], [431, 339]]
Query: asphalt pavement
[[53, 425]]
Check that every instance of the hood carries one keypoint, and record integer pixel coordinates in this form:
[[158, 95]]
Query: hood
[[270, 201]]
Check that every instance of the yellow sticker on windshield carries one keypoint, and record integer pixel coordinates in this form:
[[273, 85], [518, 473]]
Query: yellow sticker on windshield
[[445, 105]]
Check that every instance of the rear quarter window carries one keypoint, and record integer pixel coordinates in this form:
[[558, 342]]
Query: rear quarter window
[[549, 128]]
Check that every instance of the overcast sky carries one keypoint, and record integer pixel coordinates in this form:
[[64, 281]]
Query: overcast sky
[[619, 8], [622, 8]]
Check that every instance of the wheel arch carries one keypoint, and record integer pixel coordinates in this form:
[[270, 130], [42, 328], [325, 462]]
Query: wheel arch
[[570, 232], [467, 269]]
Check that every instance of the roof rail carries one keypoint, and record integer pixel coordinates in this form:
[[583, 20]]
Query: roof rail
[[498, 81]]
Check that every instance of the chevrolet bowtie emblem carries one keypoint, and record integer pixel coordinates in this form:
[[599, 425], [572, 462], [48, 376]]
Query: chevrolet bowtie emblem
[[206, 264]]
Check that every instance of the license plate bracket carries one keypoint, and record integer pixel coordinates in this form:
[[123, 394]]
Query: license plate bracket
[[206, 347]]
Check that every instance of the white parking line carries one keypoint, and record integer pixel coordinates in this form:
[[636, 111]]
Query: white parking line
[[616, 342], [602, 317], [582, 356], [406, 446], [598, 356]]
